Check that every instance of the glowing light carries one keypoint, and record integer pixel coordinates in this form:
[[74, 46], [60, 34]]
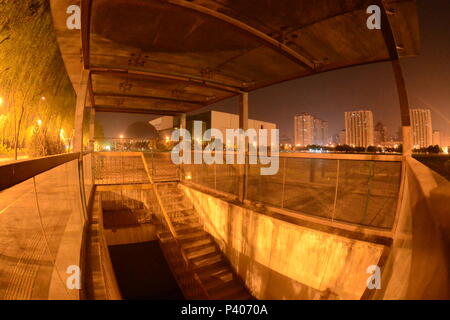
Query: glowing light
[[43, 98], [254, 143], [445, 150], [107, 148], [61, 134], [121, 136], [1, 101], [188, 177], [167, 139], [39, 122]]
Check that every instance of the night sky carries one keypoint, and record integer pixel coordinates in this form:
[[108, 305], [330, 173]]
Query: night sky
[[371, 87]]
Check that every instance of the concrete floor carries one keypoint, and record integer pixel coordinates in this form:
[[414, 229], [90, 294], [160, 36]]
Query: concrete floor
[[142, 272]]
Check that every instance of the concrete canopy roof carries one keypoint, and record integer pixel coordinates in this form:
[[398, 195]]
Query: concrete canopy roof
[[175, 56]]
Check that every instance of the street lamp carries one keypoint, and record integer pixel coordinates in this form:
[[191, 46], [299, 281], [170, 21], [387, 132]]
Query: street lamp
[[1, 101]]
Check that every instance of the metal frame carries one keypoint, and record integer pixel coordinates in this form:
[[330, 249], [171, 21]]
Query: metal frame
[[142, 75], [264, 38], [20, 171]]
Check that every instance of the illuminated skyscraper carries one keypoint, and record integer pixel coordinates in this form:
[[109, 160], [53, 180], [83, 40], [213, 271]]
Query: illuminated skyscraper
[[422, 129], [359, 128], [304, 129]]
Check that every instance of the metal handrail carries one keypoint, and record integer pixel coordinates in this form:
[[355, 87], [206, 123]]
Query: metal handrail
[[20, 171], [174, 234], [158, 198]]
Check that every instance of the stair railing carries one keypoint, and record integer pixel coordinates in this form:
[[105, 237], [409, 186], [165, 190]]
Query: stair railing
[[181, 267]]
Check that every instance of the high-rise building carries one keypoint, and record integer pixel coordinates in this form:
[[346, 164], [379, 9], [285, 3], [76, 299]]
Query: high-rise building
[[342, 137], [437, 141], [310, 130], [320, 135], [380, 134], [304, 129], [359, 128], [422, 129]]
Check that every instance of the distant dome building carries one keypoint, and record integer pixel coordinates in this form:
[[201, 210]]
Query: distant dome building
[[141, 130]]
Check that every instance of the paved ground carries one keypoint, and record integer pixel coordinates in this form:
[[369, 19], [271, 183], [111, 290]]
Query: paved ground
[[31, 229]]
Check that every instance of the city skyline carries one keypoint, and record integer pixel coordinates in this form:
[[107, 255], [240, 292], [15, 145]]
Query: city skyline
[[329, 95]]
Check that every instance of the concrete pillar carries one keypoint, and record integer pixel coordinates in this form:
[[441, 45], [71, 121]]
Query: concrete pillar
[[91, 129], [243, 124], [404, 107], [243, 111], [182, 121], [79, 112]]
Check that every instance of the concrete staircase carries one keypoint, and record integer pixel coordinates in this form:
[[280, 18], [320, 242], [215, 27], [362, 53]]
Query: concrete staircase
[[209, 264], [161, 167]]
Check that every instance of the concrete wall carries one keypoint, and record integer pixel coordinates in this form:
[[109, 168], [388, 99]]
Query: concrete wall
[[281, 260], [419, 265], [137, 198]]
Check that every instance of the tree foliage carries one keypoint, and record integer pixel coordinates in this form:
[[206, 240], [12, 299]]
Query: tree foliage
[[38, 106]]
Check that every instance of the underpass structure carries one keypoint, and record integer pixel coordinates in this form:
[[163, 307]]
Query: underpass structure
[[312, 231]]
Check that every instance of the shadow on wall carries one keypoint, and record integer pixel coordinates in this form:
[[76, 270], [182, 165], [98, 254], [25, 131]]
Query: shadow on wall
[[281, 260]]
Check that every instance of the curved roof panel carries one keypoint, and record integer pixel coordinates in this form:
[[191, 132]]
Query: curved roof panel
[[177, 55]]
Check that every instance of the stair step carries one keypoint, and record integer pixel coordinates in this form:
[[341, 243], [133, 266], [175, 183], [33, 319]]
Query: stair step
[[165, 236], [193, 236], [243, 295], [187, 228], [218, 280], [175, 208], [201, 251], [227, 290], [209, 270], [195, 245], [172, 193], [183, 216], [206, 259]]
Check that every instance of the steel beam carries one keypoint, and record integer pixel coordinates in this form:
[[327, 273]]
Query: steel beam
[[264, 38], [79, 111], [142, 75], [137, 110], [86, 6], [243, 124], [19, 171], [91, 129], [130, 96], [399, 80]]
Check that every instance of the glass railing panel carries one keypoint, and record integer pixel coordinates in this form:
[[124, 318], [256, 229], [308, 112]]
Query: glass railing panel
[[227, 178], [119, 168], [25, 263], [60, 207], [87, 175], [368, 192], [266, 189], [310, 186]]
